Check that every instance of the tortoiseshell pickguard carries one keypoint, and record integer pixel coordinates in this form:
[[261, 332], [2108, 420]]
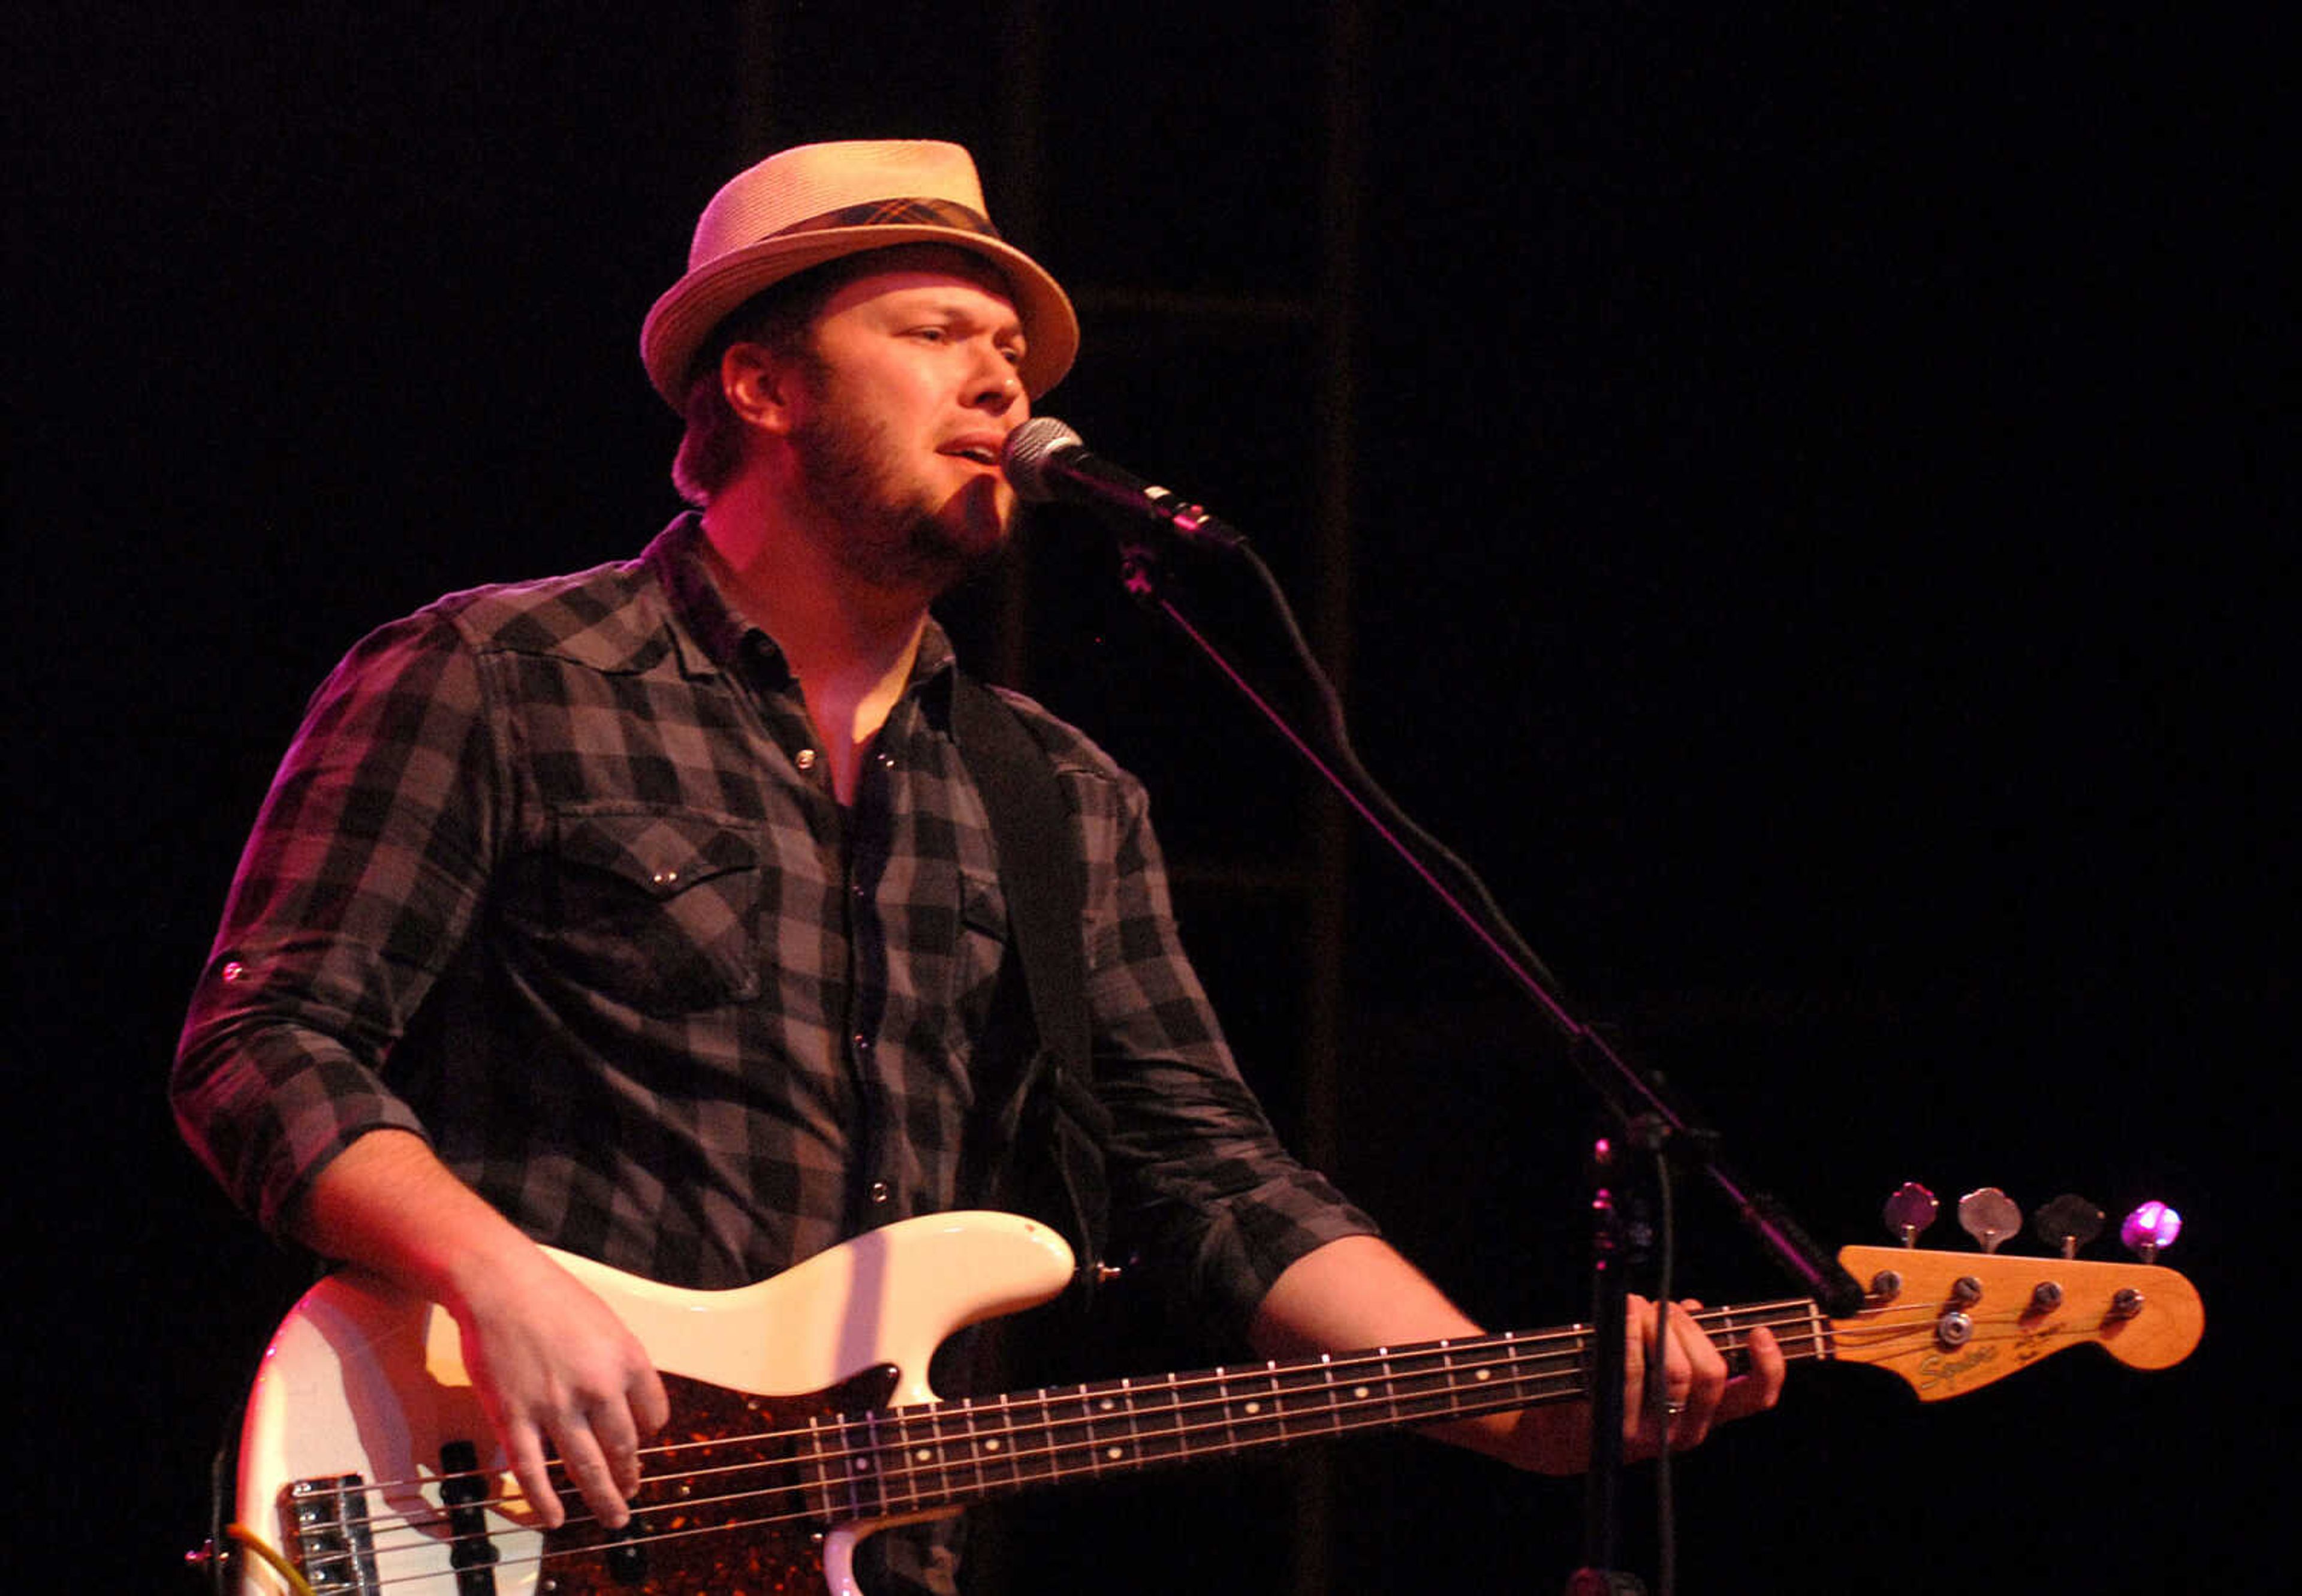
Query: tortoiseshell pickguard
[[738, 1504]]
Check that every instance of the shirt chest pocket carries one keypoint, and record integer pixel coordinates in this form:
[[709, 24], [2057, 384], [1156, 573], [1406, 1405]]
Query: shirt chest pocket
[[657, 908]]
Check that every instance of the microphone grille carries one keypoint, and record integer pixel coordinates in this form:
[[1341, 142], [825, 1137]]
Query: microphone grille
[[1029, 448]]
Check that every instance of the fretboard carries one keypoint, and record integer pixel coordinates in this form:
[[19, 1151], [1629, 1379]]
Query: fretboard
[[946, 1454]]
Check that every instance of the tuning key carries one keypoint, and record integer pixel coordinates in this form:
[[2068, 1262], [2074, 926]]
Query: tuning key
[[1909, 1212], [2067, 1224], [2150, 1227], [1988, 1215]]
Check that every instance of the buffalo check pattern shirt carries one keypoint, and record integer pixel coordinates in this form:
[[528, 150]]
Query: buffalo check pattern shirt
[[553, 876]]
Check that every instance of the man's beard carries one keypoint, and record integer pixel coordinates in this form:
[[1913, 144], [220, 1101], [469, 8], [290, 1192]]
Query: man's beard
[[890, 535]]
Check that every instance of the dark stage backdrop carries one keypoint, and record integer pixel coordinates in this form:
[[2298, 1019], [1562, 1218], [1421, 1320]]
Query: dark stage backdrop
[[1818, 509]]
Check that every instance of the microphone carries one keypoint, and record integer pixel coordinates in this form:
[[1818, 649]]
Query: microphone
[[1046, 460]]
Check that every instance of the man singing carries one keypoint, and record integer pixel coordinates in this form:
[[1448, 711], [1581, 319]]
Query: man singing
[[654, 912]]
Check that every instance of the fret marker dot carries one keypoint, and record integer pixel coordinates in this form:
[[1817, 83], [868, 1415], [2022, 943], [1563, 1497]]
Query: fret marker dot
[[1105, 1405], [863, 1466], [990, 1446], [1114, 1454], [1359, 1392], [924, 1455], [1482, 1374], [1254, 1407]]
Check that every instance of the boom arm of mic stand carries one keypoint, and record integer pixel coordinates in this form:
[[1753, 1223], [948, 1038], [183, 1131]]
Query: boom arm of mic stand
[[1625, 1093]]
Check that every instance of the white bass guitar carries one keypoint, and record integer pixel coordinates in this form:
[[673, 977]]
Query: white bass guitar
[[802, 1418]]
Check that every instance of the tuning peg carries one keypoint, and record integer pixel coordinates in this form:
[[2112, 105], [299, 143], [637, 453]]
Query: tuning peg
[[2067, 1224], [2148, 1228], [1988, 1215], [1909, 1212]]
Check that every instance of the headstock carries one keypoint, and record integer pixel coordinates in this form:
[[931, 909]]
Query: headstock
[[1953, 1322]]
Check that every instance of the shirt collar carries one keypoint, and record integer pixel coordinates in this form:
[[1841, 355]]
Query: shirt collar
[[731, 642]]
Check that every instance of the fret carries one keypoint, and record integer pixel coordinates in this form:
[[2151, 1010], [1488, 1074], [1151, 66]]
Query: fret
[[1115, 1412], [822, 1489], [1261, 1411], [1389, 1400], [1448, 1383], [981, 1449], [988, 1446], [1448, 1378], [932, 1477], [1271, 1406], [1819, 1327], [1223, 1405], [1134, 1429], [1302, 1400], [891, 1459], [1421, 1380], [1159, 1434], [1576, 1380], [915, 1462], [1178, 1418], [1371, 1397], [1070, 1447], [829, 1486], [861, 1463], [1001, 1449], [1456, 1372], [972, 1447], [1099, 1409], [1498, 1366]]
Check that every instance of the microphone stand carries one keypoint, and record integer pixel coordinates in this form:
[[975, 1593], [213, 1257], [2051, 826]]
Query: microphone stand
[[1637, 1107]]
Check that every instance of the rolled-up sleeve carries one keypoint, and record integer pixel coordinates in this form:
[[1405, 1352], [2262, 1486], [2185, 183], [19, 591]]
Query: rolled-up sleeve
[[1197, 1170], [358, 884]]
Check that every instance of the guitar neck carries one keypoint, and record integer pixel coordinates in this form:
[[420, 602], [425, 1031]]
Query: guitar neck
[[948, 1454]]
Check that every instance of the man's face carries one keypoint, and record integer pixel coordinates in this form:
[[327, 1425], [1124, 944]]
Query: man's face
[[906, 398]]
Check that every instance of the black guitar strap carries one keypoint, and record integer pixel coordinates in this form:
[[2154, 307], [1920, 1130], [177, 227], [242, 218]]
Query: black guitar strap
[[1046, 1119]]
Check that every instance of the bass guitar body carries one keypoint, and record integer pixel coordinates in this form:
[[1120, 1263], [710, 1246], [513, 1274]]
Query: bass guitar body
[[366, 1459]]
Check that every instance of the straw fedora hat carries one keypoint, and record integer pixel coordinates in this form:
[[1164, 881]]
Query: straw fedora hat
[[817, 202]]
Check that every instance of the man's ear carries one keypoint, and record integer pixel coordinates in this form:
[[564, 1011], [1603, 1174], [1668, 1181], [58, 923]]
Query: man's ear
[[759, 387]]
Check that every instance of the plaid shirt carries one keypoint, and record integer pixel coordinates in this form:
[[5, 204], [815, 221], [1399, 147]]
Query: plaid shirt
[[554, 876]]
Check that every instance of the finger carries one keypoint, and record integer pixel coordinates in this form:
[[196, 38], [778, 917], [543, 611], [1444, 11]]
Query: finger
[[1638, 1332], [588, 1470], [1762, 1386], [523, 1447], [618, 1439], [1644, 1425], [1670, 1426], [650, 1404], [1698, 1378]]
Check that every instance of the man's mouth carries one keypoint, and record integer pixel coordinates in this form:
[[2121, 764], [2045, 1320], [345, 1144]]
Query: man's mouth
[[983, 451]]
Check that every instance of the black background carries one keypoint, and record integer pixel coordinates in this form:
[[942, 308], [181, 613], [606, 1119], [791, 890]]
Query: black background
[[1819, 477]]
